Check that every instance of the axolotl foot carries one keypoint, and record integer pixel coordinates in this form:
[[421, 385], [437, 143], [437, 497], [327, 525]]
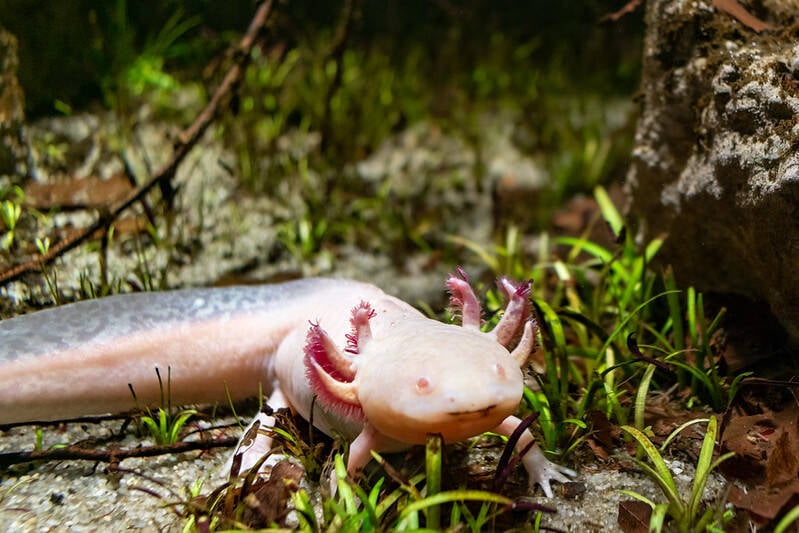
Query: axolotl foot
[[542, 471]]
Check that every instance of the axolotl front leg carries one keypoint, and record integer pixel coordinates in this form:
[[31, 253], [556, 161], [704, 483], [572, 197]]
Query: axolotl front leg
[[401, 376]]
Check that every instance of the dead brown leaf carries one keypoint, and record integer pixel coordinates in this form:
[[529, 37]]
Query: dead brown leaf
[[598, 450], [124, 226], [747, 436], [634, 516], [269, 503], [782, 462], [761, 500], [766, 445], [601, 429], [78, 193]]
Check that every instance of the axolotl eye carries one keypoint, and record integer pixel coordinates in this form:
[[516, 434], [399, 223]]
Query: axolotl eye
[[423, 385]]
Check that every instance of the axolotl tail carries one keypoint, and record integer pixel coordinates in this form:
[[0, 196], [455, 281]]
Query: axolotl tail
[[78, 359]]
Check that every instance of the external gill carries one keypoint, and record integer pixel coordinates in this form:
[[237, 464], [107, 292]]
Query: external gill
[[463, 302], [516, 319], [331, 371], [518, 309], [361, 332]]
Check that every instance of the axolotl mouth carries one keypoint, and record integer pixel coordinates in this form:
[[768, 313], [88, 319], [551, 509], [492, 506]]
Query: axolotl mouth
[[475, 413], [457, 404], [453, 426]]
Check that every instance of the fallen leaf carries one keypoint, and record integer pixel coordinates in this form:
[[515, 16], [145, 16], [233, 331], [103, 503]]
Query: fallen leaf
[[78, 193], [601, 429], [744, 436], [761, 500], [634, 516], [269, 502], [598, 450], [782, 461], [124, 226], [766, 445]]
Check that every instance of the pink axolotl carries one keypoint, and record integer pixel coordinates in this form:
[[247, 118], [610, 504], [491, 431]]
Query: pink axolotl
[[384, 374]]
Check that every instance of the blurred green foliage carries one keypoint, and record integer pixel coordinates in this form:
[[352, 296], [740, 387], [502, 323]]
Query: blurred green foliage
[[68, 51], [555, 65], [488, 50]]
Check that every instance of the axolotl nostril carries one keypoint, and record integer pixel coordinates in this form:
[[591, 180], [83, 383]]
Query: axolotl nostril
[[384, 375]]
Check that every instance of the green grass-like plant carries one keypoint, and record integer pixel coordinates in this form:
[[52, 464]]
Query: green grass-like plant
[[50, 275], [414, 505], [133, 69], [389, 502], [790, 518], [598, 298], [10, 212], [13, 215], [686, 513], [164, 424]]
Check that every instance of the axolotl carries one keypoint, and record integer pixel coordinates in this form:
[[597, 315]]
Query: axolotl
[[375, 369]]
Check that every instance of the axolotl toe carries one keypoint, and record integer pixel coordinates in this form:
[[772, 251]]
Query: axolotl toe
[[374, 369]]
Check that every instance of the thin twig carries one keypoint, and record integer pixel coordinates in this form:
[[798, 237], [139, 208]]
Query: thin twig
[[628, 8], [185, 142], [92, 419], [112, 456]]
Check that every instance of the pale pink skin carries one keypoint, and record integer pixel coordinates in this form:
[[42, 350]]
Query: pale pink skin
[[410, 376]]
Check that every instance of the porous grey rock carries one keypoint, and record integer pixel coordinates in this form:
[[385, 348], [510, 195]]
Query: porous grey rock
[[715, 163], [462, 186], [431, 172]]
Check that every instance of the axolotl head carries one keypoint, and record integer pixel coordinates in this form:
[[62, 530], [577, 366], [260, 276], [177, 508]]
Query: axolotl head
[[439, 379], [419, 377]]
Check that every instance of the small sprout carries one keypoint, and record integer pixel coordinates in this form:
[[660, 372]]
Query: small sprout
[[39, 436], [50, 276], [43, 245], [165, 425], [10, 213]]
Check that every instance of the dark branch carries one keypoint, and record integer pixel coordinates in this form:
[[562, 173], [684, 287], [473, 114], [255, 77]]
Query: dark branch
[[75, 452]]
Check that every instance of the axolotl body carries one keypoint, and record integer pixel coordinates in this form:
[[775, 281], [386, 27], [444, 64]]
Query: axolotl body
[[383, 374]]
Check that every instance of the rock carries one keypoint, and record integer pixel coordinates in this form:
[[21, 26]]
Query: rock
[[12, 113], [715, 163], [431, 173], [515, 177], [463, 188]]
